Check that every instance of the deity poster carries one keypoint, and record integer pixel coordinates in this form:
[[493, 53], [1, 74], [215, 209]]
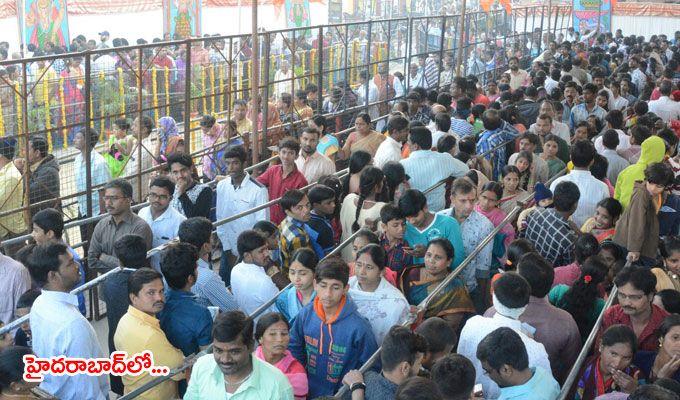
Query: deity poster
[[45, 21], [182, 18], [586, 15]]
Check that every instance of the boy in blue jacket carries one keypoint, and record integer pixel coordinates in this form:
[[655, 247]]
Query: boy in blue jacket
[[329, 337]]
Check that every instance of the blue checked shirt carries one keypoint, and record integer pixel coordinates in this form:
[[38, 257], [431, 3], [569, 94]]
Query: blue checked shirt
[[490, 139], [580, 113], [460, 127], [210, 289]]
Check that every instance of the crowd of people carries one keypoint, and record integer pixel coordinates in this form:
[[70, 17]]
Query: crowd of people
[[572, 166]]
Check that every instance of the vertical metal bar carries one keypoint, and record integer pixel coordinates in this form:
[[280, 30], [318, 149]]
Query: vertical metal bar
[[26, 130], [230, 75], [187, 99], [319, 67], [368, 62], [461, 27], [88, 124], [540, 37], [409, 50], [140, 99], [345, 50], [441, 52], [265, 96], [254, 86], [293, 53]]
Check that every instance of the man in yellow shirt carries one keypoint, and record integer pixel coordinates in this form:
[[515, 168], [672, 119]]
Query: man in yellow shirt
[[11, 194], [140, 330]]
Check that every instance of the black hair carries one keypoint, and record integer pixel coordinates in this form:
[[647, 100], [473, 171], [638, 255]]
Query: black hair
[[27, 299], [446, 143], [412, 202], [538, 272], [396, 123], [670, 299], [582, 153], [516, 249], [147, 123], [668, 135], [421, 136], [12, 365], [39, 143], [377, 254], [370, 179], [585, 246], [531, 137], [580, 298], [670, 384], [163, 182], [640, 133], [462, 186], [319, 193], [358, 160], [455, 376], [123, 124], [610, 139], [395, 174], [652, 392], [619, 334], [139, 278], [265, 226], [266, 321], [231, 325], [443, 121], [566, 196], [613, 207], [640, 277], [45, 259], [289, 143], [369, 235], [599, 167], [180, 158], [248, 241], [131, 251], [291, 198], [178, 263], [365, 117], [669, 245], [494, 187], [390, 212], [305, 256], [438, 334], [399, 345], [195, 231], [503, 347], [467, 145], [445, 245], [512, 290], [332, 268], [418, 388], [122, 185], [237, 152], [659, 173], [49, 219]]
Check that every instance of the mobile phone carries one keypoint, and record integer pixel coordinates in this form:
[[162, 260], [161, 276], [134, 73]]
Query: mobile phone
[[478, 390]]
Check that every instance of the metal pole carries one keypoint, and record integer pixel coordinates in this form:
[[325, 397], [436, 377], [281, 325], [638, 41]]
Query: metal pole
[[88, 144], [187, 99], [319, 67], [140, 99], [265, 91], [254, 85], [461, 27]]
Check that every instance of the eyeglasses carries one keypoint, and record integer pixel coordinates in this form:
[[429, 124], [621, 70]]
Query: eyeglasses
[[154, 196]]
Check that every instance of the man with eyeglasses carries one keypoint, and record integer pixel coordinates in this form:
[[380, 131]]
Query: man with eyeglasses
[[121, 221], [163, 220], [636, 288]]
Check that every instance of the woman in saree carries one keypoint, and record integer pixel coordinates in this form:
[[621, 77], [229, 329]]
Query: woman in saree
[[453, 303], [512, 193], [363, 138]]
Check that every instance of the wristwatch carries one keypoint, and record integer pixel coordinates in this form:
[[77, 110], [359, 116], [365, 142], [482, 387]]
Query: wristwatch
[[357, 386]]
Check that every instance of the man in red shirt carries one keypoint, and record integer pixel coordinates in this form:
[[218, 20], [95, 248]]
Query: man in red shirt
[[635, 309], [283, 177]]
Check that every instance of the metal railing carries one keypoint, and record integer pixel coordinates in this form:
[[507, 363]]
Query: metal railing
[[422, 306]]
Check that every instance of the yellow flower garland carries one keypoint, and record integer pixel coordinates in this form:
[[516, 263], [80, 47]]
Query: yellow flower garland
[[154, 93], [64, 131]]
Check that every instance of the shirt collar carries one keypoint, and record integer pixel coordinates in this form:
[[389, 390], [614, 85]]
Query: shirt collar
[[126, 217], [166, 214], [144, 317], [203, 264], [53, 295]]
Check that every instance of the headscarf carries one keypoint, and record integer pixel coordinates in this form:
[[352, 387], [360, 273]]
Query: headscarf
[[168, 128]]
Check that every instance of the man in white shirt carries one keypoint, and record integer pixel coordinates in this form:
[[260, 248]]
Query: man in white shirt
[[367, 93], [615, 122], [14, 281], [610, 142], [416, 78], [283, 79], [510, 299], [518, 77], [557, 128], [390, 148], [582, 155], [57, 326], [617, 102], [529, 141], [426, 167], [236, 193], [163, 219], [310, 162], [99, 175], [664, 107], [250, 283]]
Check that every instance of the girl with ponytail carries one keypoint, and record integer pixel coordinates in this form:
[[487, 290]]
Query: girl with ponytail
[[364, 208]]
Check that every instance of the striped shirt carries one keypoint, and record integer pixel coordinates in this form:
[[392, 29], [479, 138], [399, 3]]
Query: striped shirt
[[210, 290], [293, 237]]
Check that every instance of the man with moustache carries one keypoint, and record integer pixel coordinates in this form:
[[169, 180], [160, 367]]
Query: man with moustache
[[232, 371], [58, 327], [120, 222], [140, 330], [310, 162], [518, 77]]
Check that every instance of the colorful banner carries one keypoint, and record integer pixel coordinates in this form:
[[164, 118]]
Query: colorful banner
[[586, 15], [297, 13], [182, 18], [45, 21]]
